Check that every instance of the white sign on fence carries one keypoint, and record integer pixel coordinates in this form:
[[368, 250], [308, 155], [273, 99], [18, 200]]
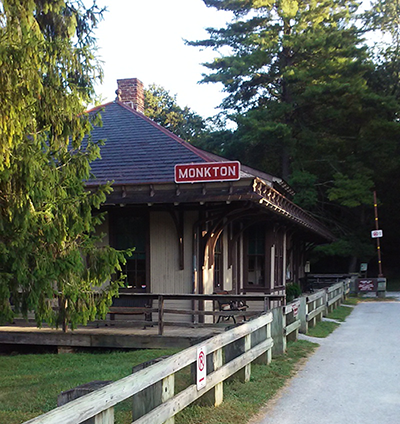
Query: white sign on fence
[[201, 367], [376, 233], [295, 308]]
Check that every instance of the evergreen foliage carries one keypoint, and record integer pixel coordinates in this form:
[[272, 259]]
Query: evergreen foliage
[[162, 107], [314, 104], [50, 262]]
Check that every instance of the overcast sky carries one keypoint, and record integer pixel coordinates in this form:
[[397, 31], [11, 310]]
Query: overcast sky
[[144, 39]]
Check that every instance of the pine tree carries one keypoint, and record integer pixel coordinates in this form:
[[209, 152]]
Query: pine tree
[[50, 262], [299, 76], [162, 107]]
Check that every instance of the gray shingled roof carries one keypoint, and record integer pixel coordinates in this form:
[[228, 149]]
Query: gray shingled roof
[[139, 151]]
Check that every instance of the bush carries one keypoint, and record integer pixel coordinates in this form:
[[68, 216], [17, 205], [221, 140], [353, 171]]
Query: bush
[[293, 290]]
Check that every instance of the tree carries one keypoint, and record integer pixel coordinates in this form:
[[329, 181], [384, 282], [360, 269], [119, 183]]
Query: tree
[[50, 262], [299, 76], [162, 107]]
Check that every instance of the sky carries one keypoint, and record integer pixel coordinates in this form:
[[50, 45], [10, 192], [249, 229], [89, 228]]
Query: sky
[[144, 39]]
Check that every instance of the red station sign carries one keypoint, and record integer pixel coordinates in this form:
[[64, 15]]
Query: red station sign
[[207, 172]]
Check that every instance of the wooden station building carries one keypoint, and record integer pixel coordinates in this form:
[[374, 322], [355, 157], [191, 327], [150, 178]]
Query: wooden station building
[[213, 225]]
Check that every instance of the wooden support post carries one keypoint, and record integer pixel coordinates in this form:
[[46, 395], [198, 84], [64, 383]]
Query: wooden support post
[[247, 368], [168, 392], [303, 315], [160, 315], [278, 326], [105, 417], [269, 351], [215, 396]]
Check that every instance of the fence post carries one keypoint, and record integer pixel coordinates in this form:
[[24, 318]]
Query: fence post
[[160, 315], [214, 396], [278, 326], [247, 368], [303, 315], [168, 391]]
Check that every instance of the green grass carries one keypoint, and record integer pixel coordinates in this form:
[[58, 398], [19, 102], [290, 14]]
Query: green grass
[[243, 400], [351, 300], [30, 383], [322, 329], [340, 313]]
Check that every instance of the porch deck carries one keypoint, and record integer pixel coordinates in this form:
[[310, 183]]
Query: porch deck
[[106, 336], [141, 333]]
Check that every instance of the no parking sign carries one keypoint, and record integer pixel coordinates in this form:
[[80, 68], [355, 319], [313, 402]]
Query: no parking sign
[[201, 369]]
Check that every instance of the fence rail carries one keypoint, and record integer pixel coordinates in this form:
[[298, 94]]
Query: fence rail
[[229, 353], [100, 403]]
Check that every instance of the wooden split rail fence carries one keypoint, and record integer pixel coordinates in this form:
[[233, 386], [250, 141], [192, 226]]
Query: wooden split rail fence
[[229, 353], [254, 338]]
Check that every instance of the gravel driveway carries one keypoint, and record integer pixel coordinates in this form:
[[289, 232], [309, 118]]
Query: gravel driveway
[[354, 376]]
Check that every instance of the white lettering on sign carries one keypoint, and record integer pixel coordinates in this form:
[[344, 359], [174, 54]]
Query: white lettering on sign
[[365, 285], [207, 172]]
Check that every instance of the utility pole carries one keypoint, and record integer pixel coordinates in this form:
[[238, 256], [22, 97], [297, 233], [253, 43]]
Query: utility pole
[[378, 244]]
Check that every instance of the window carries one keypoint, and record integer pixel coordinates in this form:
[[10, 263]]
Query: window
[[256, 257], [130, 230]]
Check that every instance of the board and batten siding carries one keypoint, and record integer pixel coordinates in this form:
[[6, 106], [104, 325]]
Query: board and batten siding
[[165, 275]]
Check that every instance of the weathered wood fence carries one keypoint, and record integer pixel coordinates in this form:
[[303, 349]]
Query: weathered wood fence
[[226, 354], [256, 343]]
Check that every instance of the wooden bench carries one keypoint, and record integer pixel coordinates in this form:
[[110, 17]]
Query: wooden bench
[[129, 305], [225, 305]]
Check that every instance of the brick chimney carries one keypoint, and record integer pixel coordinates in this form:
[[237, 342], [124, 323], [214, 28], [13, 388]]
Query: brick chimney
[[130, 91]]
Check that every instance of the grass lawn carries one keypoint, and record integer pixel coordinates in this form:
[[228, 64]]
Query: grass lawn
[[31, 383], [324, 328], [340, 313]]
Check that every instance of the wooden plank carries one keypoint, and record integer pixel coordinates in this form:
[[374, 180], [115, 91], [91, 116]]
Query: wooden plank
[[337, 286], [334, 300], [168, 392], [315, 312], [94, 403], [215, 312], [130, 310], [292, 327], [313, 297], [287, 309], [189, 395]]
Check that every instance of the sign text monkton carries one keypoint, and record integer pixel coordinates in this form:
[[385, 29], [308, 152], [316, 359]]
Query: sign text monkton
[[207, 172]]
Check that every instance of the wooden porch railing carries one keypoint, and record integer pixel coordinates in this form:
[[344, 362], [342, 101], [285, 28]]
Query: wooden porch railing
[[196, 311]]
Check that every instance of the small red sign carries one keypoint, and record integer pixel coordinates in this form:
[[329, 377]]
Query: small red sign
[[207, 172], [295, 308], [366, 285]]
